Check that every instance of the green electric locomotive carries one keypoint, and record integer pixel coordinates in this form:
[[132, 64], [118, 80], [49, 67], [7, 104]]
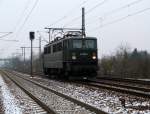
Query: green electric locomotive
[[71, 56]]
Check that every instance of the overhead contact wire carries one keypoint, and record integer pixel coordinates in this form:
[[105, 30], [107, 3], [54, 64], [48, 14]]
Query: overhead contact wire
[[65, 16], [90, 10], [122, 18], [118, 9], [26, 19], [21, 16]]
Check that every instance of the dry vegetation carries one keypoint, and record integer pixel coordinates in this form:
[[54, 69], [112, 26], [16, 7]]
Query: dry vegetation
[[125, 63]]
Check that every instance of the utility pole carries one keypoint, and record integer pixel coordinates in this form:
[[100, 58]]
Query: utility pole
[[40, 50], [22, 50], [23, 54], [24, 60], [40, 47], [49, 33], [83, 23], [40, 60]]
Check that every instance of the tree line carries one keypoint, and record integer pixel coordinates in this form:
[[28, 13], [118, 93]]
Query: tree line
[[124, 63], [18, 64]]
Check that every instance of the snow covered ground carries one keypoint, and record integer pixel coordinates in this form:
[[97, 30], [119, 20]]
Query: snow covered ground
[[15, 101], [9, 101], [106, 100]]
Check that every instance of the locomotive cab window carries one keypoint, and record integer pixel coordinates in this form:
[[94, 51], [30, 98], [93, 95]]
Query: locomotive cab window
[[84, 43], [77, 44], [90, 44]]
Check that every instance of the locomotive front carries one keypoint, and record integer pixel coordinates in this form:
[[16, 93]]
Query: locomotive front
[[81, 57]]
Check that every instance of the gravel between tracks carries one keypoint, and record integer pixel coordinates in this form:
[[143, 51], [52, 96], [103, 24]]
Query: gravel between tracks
[[17, 102], [9, 102], [58, 104], [106, 100], [100, 98], [1, 102]]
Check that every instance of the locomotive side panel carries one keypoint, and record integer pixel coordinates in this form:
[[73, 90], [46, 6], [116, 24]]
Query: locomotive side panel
[[54, 60]]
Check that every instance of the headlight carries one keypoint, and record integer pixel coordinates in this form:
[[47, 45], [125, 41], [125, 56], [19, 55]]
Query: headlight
[[94, 56], [74, 56]]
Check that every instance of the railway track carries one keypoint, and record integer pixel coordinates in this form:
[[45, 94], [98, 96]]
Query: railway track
[[38, 104], [23, 82], [132, 84], [139, 89], [127, 88], [128, 80]]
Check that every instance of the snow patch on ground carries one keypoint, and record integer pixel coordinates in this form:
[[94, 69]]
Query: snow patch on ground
[[103, 99], [9, 103]]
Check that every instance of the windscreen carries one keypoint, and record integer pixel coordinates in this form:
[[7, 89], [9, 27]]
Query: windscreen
[[84, 43], [77, 44], [89, 44]]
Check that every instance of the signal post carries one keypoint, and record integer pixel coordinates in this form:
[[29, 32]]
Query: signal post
[[31, 38]]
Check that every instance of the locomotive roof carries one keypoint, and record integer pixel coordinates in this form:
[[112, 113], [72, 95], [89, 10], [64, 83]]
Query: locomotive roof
[[59, 40]]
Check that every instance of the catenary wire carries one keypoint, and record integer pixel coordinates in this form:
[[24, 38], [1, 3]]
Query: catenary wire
[[9, 40], [87, 12], [125, 17], [22, 14], [8, 33], [97, 5], [21, 27], [26, 19], [117, 10], [65, 16], [123, 7], [121, 19]]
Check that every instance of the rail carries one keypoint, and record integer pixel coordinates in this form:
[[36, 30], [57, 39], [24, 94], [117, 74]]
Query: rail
[[39, 102], [82, 104]]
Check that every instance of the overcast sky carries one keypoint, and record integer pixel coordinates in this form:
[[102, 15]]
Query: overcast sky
[[113, 22]]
